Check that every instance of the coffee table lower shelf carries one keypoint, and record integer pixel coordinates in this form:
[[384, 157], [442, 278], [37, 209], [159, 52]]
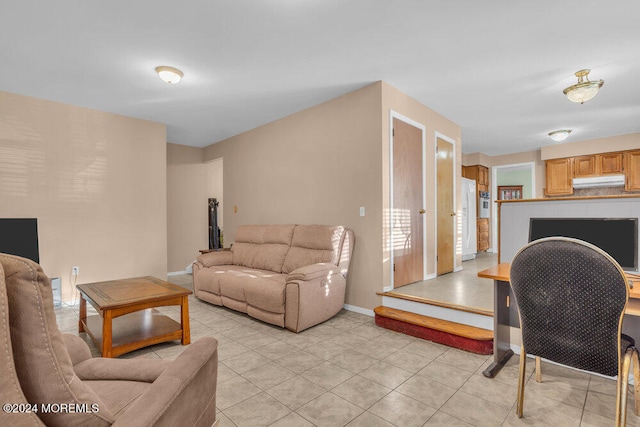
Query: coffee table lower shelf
[[134, 330]]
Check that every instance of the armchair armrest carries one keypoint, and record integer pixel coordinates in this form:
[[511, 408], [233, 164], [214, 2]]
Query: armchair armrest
[[313, 271], [187, 383], [216, 258], [77, 348]]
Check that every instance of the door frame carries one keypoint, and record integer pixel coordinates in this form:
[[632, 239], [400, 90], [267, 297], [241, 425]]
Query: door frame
[[457, 224], [494, 196], [395, 115]]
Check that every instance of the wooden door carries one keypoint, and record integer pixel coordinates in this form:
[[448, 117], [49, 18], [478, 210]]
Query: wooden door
[[408, 209], [446, 210]]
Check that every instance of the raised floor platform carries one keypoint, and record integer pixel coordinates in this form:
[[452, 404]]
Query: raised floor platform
[[455, 309]]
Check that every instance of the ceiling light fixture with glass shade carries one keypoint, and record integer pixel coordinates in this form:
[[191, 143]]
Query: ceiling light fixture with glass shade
[[169, 74], [585, 89], [559, 135]]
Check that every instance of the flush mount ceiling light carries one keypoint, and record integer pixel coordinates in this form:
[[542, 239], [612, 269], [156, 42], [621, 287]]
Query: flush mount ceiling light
[[169, 74], [584, 90], [559, 135]]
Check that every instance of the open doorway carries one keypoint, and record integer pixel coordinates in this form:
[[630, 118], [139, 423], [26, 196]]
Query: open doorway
[[517, 174]]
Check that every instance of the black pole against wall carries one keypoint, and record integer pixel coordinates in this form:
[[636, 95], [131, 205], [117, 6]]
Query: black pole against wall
[[214, 231]]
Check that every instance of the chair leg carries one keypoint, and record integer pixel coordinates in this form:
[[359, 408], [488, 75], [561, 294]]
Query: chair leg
[[538, 370], [521, 380], [623, 388], [636, 382]]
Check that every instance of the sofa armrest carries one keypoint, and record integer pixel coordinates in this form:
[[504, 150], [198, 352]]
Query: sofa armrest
[[313, 271], [312, 301], [216, 258], [183, 394], [78, 349]]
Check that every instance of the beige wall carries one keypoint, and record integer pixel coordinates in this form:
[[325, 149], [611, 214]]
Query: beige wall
[[190, 183], [317, 166], [321, 165], [96, 182], [592, 146]]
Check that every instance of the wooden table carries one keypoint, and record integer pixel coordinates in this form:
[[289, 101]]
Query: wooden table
[[127, 320], [505, 314]]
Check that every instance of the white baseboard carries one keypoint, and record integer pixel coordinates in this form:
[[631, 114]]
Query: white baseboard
[[178, 273], [359, 310]]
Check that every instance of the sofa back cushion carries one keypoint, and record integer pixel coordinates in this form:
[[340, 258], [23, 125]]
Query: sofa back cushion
[[262, 246], [312, 244]]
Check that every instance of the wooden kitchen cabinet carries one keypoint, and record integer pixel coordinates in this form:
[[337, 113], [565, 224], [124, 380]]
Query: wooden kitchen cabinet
[[559, 177], [632, 170], [478, 173], [584, 166], [609, 164], [482, 227]]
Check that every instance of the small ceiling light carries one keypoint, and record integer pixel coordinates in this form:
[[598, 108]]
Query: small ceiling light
[[169, 74], [584, 90], [559, 135]]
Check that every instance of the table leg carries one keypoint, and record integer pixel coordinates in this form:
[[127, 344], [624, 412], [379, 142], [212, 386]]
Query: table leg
[[83, 314], [502, 322], [107, 330], [184, 321]]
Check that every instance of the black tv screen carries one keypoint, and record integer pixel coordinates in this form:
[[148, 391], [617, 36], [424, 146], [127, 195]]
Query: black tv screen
[[616, 236], [19, 236]]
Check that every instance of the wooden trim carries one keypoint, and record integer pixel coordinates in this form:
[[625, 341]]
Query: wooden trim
[[474, 310], [452, 328], [546, 199]]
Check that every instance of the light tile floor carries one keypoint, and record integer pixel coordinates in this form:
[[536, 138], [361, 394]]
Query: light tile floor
[[348, 371]]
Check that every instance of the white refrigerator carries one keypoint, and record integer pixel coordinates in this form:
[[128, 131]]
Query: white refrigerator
[[469, 242]]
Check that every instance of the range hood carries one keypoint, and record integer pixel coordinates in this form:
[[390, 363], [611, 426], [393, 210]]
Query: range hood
[[599, 181]]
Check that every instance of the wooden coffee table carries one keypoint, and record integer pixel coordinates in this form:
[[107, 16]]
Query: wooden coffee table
[[127, 320]]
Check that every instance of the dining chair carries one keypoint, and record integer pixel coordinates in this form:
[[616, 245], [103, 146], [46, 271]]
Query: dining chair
[[571, 297]]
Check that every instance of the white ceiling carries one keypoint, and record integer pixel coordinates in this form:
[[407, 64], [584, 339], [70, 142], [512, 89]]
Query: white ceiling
[[495, 67]]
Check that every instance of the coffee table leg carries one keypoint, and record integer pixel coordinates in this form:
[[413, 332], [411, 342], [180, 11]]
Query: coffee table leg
[[83, 314], [184, 320], [107, 323]]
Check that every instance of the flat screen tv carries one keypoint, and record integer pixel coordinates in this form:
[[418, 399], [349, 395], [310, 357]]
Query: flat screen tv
[[616, 236], [19, 236]]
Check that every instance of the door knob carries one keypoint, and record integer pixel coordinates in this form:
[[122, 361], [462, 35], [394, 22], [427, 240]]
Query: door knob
[[422, 211], [453, 214]]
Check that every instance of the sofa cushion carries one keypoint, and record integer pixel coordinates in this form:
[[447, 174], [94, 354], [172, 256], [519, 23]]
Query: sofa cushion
[[312, 244], [208, 279], [266, 293], [234, 282], [262, 246]]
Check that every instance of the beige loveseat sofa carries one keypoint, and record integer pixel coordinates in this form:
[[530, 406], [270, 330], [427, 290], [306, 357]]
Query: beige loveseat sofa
[[292, 276]]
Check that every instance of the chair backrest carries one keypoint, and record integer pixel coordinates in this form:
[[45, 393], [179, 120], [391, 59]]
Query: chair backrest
[[571, 297], [10, 390], [42, 363]]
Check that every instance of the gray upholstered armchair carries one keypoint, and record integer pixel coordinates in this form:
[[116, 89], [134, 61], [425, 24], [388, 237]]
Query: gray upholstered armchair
[[41, 366], [571, 297]]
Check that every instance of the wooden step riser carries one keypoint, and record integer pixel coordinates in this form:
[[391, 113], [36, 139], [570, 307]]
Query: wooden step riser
[[453, 334], [456, 341]]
